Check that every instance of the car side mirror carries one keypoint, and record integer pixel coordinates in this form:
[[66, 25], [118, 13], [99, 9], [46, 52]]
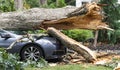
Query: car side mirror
[[5, 35]]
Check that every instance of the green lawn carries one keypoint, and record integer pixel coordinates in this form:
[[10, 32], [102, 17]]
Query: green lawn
[[73, 67]]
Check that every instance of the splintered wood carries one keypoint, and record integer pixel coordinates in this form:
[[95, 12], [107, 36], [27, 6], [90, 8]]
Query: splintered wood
[[88, 54], [87, 17]]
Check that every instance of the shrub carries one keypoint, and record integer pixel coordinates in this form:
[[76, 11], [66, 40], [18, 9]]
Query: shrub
[[78, 35], [11, 62]]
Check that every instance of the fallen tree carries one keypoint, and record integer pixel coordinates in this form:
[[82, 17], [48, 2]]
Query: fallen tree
[[88, 16], [29, 19], [72, 44]]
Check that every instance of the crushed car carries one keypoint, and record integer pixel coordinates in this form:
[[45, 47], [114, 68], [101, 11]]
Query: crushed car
[[46, 47]]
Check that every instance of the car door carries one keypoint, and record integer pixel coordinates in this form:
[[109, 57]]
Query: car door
[[6, 42]]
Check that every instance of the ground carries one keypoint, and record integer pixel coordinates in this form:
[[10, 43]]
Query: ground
[[107, 55]]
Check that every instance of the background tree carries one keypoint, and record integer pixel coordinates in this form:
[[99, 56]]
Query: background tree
[[43, 2], [70, 2], [55, 3], [112, 11], [18, 4], [31, 3]]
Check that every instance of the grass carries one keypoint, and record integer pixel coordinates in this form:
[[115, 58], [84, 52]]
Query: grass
[[73, 67]]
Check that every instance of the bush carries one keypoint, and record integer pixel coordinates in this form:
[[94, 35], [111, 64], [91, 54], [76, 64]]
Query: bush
[[79, 35], [7, 5], [11, 62]]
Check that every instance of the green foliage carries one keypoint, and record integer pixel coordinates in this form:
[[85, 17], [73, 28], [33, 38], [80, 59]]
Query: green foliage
[[79, 35], [70, 2], [112, 12], [50, 4], [7, 5], [11, 62], [31, 3], [36, 32], [39, 64], [54, 4], [26, 5], [61, 3], [78, 67]]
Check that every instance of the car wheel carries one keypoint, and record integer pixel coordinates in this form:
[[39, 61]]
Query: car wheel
[[31, 52]]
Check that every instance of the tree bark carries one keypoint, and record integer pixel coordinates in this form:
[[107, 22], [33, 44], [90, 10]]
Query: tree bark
[[86, 17], [95, 38], [30, 19], [72, 44], [43, 2], [57, 2], [18, 4]]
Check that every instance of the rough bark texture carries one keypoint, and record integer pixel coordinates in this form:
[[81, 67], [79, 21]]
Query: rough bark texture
[[88, 16], [95, 38], [72, 44], [31, 18]]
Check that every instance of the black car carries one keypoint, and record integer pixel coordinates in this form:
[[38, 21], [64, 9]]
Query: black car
[[47, 47]]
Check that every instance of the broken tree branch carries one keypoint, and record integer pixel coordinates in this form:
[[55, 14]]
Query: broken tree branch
[[88, 16], [72, 44]]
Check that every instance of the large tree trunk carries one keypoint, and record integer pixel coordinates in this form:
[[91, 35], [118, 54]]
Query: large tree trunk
[[72, 44], [88, 16], [66, 18], [31, 18]]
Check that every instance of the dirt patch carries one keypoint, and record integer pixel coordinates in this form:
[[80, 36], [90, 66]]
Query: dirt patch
[[103, 53]]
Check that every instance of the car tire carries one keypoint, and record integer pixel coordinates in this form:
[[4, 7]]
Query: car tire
[[31, 52]]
